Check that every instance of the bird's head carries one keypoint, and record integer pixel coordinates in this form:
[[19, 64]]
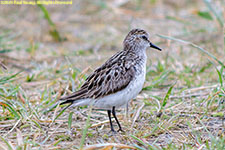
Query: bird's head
[[138, 39]]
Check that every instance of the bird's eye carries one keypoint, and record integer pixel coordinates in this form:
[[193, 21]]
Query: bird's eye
[[144, 37]]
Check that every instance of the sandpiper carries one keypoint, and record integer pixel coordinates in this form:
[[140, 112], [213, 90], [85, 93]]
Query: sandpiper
[[118, 80]]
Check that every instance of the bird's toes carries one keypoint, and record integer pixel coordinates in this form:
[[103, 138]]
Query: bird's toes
[[120, 130], [112, 132]]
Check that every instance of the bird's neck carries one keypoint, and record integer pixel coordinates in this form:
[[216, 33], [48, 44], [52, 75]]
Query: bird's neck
[[138, 51]]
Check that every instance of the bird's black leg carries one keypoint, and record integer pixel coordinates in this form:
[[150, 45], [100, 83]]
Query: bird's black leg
[[110, 120], [117, 121]]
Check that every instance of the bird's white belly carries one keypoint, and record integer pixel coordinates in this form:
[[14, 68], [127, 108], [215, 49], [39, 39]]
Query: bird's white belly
[[120, 98]]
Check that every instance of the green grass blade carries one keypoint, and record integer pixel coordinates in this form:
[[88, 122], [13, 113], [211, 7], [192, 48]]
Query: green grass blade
[[70, 120], [46, 14], [205, 15], [61, 112], [50, 108], [53, 31], [10, 108], [6, 79], [219, 72], [220, 76], [5, 51], [139, 140], [84, 134], [150, 147], [167, 96], [5, 141], [217, 15], [138, 147], [158, 80]]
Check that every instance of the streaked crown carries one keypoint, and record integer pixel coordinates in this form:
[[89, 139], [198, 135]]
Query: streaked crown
[[136, 38]]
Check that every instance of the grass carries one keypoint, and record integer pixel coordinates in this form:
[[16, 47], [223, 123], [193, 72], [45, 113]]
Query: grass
[[53, 30], [181, 106]]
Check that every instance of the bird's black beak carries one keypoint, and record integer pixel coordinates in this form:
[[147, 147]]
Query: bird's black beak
[[154, 46]]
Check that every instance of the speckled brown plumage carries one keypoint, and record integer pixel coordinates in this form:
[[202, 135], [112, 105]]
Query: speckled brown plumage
[[114, 75], [118, 80]]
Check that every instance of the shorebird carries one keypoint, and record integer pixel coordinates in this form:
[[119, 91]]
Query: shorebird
[[118, 80]]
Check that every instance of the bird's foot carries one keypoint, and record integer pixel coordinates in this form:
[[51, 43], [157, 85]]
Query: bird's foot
[[112, 132], [120, 130]]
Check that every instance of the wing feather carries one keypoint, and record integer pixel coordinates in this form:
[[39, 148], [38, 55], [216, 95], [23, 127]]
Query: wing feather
[[114, 75]]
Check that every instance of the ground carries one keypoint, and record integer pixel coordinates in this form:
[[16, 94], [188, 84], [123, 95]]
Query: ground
[[181, 106]]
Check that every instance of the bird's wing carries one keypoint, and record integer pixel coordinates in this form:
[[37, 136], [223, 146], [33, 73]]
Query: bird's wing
[[113, 76]]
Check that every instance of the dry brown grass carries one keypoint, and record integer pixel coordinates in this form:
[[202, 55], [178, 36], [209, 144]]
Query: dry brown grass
[[192, 116]]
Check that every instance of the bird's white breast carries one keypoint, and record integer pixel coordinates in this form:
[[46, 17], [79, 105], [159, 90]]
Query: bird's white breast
[[122, 97]]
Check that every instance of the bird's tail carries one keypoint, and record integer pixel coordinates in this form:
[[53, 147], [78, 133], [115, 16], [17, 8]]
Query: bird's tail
[[66, 107], [66, 102], [69, 99]]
